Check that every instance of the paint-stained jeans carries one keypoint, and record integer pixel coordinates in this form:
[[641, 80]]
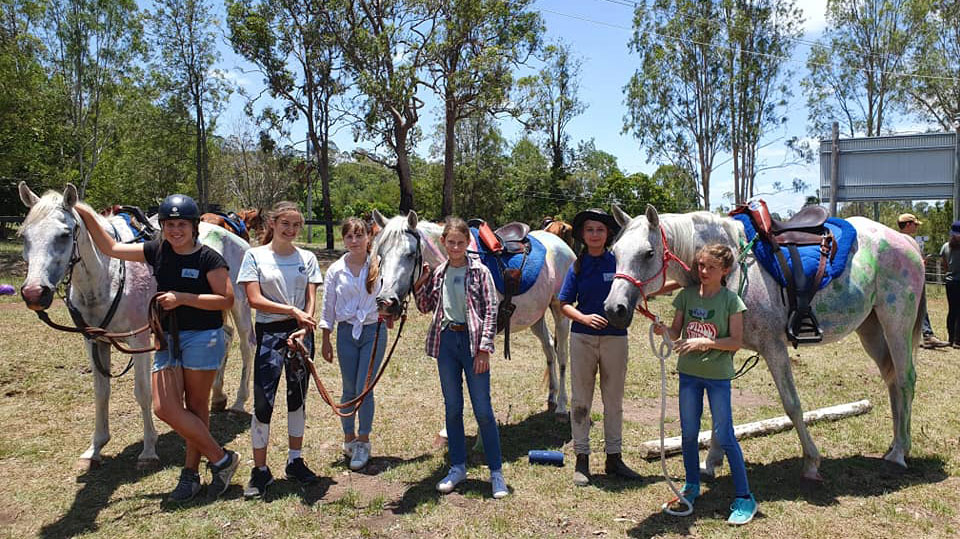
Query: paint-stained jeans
[[953, 312], [454, 363], [354, 358], [692, 389], [588, 354]]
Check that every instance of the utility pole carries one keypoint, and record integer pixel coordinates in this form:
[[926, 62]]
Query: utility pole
[[834, 168]]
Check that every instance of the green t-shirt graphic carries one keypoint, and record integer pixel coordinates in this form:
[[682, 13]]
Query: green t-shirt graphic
[[707, 317]]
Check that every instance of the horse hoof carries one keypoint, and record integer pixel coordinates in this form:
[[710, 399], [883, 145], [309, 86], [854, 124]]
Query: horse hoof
[[218, 405], [562, 418], [148, 464], [551, 406], [813, 477], [237, 414], [439, 441], [86, 465]]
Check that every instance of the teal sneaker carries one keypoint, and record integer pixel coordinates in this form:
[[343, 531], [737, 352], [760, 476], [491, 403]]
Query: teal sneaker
[[690, 491], [742, 510]]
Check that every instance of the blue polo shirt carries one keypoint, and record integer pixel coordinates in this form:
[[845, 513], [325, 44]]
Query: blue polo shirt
[[588, 290]]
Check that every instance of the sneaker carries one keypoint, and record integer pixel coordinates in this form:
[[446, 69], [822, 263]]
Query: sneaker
[[361, 454], [187, 487], [742, 510], [298, 470], [676, 505], [348, 447], [259, 480], [223, 474], [454, 477], [499, 485]]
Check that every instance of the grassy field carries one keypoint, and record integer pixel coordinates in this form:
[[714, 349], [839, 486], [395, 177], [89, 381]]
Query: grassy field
[[46, 409]]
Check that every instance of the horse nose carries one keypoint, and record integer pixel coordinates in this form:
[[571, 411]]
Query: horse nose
[[617, 314], [37, 297], [389, 305]]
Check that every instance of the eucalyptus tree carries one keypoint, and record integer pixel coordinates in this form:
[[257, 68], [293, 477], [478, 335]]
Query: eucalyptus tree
[[676, 99], [300, 61], [935, 87], [548, 101], [92, 52], [385, 44], [476, 46], [856, 69], [184, 33], [761, 35]]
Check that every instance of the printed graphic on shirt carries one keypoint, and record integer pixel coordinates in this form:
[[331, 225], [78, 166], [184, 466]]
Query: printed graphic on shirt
[[700, 313], [190, 273], [696, 328], [458, 279], [608, 277]]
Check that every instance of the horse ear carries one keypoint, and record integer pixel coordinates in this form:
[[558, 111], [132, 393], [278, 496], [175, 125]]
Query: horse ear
[[621, 216], [27, 196], [70, 196], [652, 216], [412, 219], [379, 218]]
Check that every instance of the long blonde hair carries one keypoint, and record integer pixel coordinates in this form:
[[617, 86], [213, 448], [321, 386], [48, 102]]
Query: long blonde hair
[[279, 208], [354, 225]]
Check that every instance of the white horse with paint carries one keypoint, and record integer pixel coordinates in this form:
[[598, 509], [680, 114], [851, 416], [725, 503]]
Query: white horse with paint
[[53, 235], [405, 241], [877, 295]]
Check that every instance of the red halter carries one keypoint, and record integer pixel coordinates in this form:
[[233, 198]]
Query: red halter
[[667, 257]]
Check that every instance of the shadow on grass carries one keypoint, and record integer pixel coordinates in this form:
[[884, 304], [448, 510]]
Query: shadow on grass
[[858, 475], [99, 484]]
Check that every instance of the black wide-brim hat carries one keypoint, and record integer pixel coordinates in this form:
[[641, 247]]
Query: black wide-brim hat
[[595, 214]]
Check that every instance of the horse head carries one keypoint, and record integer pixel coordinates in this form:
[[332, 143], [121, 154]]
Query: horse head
[[640, 264], [561, 229], [397, 250], [49, 235]]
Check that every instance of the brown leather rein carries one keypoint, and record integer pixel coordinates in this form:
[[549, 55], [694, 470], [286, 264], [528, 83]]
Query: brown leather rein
[[300, 353], [155, 315]]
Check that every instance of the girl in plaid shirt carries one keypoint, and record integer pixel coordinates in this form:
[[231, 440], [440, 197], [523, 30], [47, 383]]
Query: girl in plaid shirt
[[464, 300]]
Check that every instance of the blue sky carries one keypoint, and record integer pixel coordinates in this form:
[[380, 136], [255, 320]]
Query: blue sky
[[598, 31]]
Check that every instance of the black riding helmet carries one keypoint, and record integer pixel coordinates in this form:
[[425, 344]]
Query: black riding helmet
[[595, 214], [179, 207]]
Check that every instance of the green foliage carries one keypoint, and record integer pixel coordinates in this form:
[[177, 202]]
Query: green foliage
[[935, 93]]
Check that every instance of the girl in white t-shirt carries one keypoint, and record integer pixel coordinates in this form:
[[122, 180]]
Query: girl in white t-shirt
[[349, 304], [281, 282]]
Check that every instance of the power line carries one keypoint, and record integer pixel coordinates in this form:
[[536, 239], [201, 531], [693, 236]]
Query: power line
[[746, 51]]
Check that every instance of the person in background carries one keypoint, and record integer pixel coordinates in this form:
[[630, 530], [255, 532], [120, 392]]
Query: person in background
[[910, 225], [950, 263]]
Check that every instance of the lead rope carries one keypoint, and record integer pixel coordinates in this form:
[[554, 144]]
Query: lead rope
[[662, 352]]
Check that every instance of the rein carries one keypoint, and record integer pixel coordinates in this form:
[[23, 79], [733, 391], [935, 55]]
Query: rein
[[300, 353], [668, 256]]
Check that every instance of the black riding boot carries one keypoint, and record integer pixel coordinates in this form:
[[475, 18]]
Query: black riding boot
[[581, 472], [616, 466]]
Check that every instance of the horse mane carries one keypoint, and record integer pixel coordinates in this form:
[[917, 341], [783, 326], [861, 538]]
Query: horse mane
[[700, 226], [50, 201]]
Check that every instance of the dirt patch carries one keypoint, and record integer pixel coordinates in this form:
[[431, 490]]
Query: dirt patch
[[647, 411], [12, 264]]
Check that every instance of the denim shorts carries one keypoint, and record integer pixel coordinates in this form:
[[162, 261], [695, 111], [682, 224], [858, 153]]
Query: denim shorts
[[201, 350]]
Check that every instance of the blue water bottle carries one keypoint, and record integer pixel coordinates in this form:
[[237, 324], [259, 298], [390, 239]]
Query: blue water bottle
[[545, 456]]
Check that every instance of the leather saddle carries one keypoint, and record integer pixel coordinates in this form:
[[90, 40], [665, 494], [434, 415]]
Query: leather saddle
[[138, 222], [806, 228]]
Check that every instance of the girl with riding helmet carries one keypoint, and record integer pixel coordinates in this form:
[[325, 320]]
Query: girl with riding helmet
[[281, 281], [350, 305], [464, 300], [594, 345], [194, 288]]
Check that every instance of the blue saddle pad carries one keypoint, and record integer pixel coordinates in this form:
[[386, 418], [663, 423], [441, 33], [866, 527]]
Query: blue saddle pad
[[843, 232], [531, 268], [236, 224], [137, 236]]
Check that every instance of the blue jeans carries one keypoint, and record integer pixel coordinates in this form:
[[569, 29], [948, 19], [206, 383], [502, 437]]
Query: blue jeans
[[354, 358], [200, 350], [691, 410], [455, 362]]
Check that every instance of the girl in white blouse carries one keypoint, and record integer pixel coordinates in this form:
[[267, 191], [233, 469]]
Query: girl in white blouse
[[349, 304]]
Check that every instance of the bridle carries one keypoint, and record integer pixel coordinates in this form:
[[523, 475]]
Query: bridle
[[98, 332], [668, 256]]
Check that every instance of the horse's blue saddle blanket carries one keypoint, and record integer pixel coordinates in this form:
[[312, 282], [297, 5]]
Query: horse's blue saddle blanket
[[530, 268], [234, 221], [843, 232], [138, 235]]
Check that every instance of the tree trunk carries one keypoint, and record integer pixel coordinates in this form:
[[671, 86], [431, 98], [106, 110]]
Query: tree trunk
[[449, 153], [403, 172]]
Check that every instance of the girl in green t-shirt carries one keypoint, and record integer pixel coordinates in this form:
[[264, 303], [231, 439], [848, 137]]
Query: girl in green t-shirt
[[707, 329]]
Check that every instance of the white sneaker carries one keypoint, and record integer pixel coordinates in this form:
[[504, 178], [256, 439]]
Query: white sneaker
[[499, 485], [454, 477], [347, 448], [361, 454]]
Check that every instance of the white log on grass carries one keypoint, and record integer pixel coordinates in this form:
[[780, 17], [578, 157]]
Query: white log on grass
[[651, 449]]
